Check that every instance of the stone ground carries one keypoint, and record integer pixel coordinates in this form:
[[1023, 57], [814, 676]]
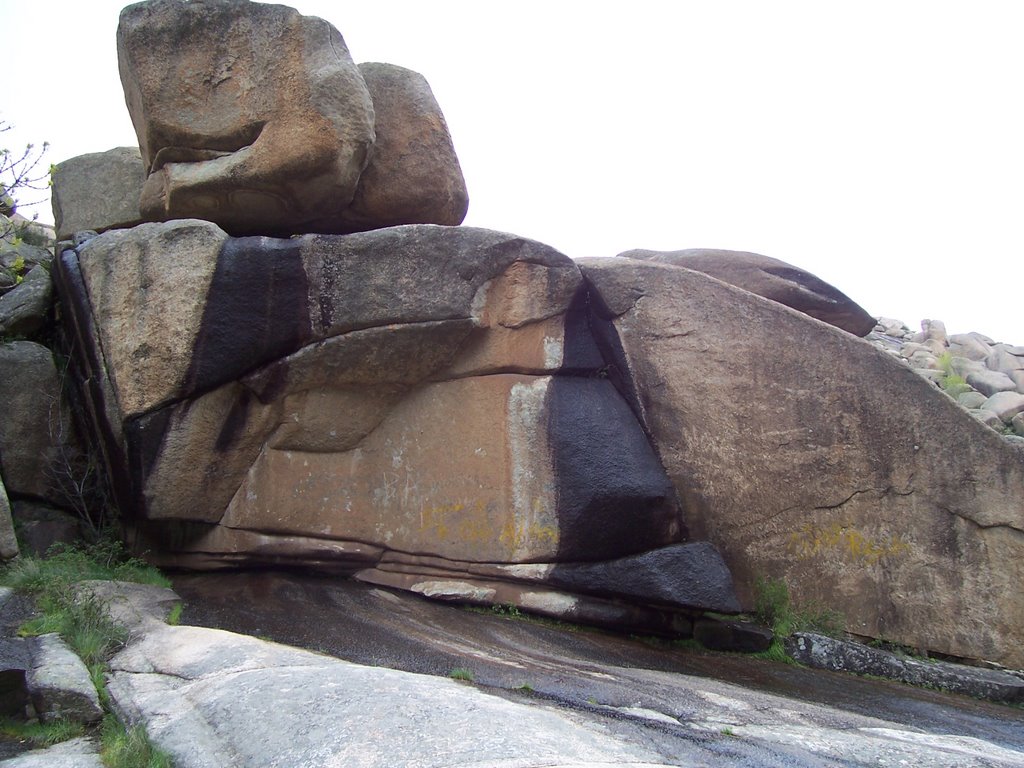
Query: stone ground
[[681, 706]]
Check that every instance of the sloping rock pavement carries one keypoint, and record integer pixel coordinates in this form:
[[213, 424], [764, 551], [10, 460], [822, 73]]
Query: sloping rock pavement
[[659, 704]]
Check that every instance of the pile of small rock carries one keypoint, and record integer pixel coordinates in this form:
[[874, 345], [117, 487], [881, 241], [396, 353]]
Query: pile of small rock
[[985, 377]]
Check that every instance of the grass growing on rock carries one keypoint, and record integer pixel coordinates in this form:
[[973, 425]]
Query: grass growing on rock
[[41, 734], [774, 608], [82, 621], [128, 747]]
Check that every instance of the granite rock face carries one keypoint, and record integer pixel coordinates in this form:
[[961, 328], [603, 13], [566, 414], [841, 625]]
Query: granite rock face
[[876, 496], [98, 191], [413, 176], [248, 114], [773, 279], [413, 404]]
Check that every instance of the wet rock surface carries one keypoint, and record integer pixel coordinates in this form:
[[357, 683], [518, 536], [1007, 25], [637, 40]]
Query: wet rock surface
[[689, 707]]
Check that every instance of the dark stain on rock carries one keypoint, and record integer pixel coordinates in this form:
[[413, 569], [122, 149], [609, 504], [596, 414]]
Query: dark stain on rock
[[580, 353], [257, 310], [144, 438], [234, 422], [613, 495], [615, 366], [79, 336]]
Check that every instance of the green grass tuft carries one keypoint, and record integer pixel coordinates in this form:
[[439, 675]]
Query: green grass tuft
[[129, 747], [174, 616], [41, 734], [461, 673]]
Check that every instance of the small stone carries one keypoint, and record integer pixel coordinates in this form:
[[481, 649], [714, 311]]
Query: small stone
[[971, 400], [988, 418], [1017, 423], [933, 375]]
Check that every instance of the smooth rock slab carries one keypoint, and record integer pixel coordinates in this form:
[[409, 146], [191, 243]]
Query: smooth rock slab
[[211, 698], [75, 753], [60, 684], [822, 652]]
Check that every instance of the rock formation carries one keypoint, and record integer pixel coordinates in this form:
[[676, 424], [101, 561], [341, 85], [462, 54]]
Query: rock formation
[[773, 279], [870, 493], [423, 405], [471, 415], [255, 117]]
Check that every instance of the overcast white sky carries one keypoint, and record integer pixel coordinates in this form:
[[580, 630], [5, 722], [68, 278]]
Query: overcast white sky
[[879, 145]]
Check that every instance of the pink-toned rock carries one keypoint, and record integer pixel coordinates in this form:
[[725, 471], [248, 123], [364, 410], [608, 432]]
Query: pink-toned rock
[[874, 495], [772, 279]]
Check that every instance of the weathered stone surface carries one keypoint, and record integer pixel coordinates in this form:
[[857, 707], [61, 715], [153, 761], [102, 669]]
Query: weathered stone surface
[[934, 330], [988, 418], [82, 752], [248, 114], [847, 490], [773, 279], [34, 427], [25, 309], [8, 541], [824, 652], [60, 684], [414, 175], [471, 473], [148, 284], [98, 191], [225, 692], [325, 400], [990, 382], [1018, 424], [1005, 405]]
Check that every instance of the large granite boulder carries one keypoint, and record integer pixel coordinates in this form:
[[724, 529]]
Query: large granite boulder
[[418, 404], [414, 175], [247, 114], [808, 455], [98, 191], [773, 279]]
